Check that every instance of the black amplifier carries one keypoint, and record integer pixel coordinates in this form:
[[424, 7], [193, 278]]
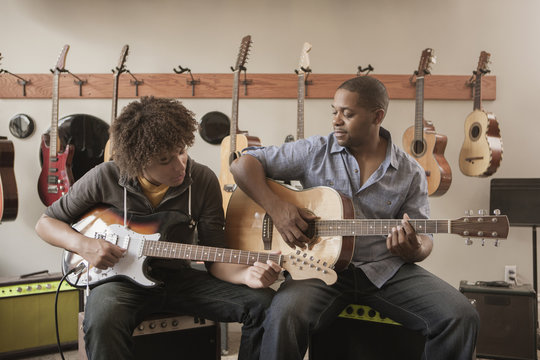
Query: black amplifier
[[508, 320], [27, 324]]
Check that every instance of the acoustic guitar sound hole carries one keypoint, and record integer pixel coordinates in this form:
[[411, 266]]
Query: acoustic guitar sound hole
[[418, 148], [475, 131]]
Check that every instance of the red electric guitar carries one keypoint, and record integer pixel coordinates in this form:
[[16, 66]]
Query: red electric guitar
[[56, 177], [422, 142]]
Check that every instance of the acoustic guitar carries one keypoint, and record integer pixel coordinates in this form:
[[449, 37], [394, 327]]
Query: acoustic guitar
[[9, 200], [422, 142], [303, 69], [481, 152], [117, 71], [56, 177], [141, 240], [249, 227], [237, 140]]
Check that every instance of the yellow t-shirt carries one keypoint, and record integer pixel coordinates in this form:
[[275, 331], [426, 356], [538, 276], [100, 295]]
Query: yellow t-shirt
[[154, 193]]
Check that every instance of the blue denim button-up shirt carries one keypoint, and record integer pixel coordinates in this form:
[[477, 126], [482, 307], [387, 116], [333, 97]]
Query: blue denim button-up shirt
[[398, 186]]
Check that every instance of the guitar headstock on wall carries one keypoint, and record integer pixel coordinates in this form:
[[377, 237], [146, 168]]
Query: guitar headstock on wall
[[61, 62], [303, 64], [243, 53], [122, 60], [483, 64], [426, 60]]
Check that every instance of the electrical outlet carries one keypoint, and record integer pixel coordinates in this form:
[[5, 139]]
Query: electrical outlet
[[510, 274]]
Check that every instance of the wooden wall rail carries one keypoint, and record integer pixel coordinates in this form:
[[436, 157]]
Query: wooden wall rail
[[262, 86]]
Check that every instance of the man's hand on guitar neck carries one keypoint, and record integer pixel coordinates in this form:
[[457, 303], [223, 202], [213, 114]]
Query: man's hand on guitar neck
[[404, 242]]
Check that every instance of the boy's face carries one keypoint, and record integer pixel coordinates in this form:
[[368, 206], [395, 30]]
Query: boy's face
[[167, 168]]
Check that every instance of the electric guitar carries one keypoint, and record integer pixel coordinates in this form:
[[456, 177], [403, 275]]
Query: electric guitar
[[117, 71], [481, 152], [9, 201], [303, 68], [56, 177], [249, 227], [237, 140], [422, 142], [141, 241]]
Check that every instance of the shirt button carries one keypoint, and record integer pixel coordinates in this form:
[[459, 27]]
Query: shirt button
[[356, 171], [388, 202]]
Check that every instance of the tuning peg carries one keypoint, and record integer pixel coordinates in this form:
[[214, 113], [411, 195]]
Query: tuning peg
[[497, 212], [468, 241], [471, 212]]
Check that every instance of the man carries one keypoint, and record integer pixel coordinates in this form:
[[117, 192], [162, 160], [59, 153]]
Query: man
[[359, 160], [153, 174]]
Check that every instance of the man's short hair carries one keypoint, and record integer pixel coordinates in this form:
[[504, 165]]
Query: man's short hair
[[371, 92]]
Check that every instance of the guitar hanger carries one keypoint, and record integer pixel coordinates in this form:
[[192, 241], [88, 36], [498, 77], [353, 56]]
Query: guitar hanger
[[79, 81], [369, 69], [307, 71], [244, 82], [191, 82], [20, 80], [135, 82]]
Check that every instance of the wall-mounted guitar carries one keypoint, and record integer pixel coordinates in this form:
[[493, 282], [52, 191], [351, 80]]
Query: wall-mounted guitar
[[422, 142], [481, 152], [302, 72], [237, 140], [117, 71], [9, 201], [56, 177]]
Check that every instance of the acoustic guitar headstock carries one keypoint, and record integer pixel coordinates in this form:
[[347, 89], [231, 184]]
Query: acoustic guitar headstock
[[122, 60], [61, 62], [483, 64], [303, 64], [243, 53], [426, 60]]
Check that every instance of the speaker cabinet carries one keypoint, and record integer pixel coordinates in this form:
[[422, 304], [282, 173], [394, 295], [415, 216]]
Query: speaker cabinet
[[27, 324], [171, 337], [361, 332], [508, 318]]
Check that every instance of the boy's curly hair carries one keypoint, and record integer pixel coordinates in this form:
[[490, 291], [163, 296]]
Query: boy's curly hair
[[147, 128]]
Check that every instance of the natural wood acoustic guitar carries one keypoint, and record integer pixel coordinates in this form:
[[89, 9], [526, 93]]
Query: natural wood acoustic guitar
[[108, 156], [249, 227], [237, 140], [481, 152], [422, 142], [56, 176]]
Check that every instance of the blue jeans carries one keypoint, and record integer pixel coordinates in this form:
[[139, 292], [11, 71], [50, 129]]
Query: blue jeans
[[115, 308], [413, 297]]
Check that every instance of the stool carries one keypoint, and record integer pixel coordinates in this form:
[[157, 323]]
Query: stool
[[165, 336], [361, 332]]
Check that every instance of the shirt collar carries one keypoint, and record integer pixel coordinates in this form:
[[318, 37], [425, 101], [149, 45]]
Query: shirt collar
[[390, 153]]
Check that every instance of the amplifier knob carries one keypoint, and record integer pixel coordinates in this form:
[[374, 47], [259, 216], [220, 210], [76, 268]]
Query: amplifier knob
[[141, 327], [48, 286], [349, 310], [29, 288], [19, 289], [38, 287], [164, 324], [372, 313], [152, 325], [175, 322]]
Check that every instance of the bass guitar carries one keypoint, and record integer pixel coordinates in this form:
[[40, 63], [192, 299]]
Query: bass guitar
[[303, 69], [56, 177], [9, 200], [422, 142], [141, 240], [481, 152], [249, 227], [237, 140], [117, 71]]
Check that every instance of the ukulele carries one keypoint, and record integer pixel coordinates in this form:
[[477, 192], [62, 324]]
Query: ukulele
[[422, 142], [303, 69], [481, 152], [56, 177], [141, 240], [117, 71], [9, 201], [236, 140], [248, 226]]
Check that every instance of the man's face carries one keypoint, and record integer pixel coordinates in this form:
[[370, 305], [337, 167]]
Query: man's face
[[167, 168], [353, 124]]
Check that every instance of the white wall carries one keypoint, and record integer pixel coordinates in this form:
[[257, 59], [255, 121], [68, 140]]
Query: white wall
[[205, 35]]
